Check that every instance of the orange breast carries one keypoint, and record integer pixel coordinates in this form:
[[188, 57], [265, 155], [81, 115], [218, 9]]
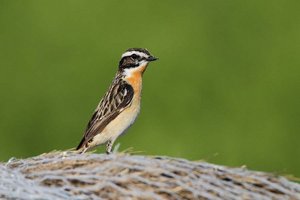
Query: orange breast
[[135, 79]]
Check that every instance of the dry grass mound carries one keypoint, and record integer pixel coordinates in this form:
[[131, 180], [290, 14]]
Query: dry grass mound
[[68, 175]]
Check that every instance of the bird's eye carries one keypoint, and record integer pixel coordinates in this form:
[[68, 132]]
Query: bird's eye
[[134, 56]]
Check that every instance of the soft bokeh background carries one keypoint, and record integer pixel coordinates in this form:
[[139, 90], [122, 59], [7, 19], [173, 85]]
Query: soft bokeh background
[[225, 90]]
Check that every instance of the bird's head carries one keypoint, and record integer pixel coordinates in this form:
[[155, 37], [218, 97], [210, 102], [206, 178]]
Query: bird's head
[[135, 59]]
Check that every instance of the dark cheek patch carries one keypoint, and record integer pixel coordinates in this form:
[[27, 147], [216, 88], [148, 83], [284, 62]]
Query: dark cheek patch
[[127, 62]]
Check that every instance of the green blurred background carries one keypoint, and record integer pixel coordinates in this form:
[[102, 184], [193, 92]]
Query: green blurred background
[[225, 90]]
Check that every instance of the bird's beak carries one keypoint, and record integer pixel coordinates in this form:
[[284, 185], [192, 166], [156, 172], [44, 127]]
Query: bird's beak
[[151, 58]]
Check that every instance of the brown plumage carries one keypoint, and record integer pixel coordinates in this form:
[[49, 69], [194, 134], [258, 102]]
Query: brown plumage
[[120, 105]]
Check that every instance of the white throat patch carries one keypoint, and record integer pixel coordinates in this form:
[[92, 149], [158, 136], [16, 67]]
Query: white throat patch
[[129, 71]]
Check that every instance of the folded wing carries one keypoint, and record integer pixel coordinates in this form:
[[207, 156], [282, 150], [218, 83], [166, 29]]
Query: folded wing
[[115, 101]]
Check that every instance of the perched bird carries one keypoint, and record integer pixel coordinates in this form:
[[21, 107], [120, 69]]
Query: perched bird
[[120, 105]]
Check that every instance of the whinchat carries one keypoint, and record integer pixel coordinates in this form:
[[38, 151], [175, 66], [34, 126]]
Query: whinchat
[[120, 105]]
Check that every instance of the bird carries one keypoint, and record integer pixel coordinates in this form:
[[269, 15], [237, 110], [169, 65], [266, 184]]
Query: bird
[[120, 106]]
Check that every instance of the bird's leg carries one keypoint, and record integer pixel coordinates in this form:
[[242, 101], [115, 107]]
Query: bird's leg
[[109, 145], [83, 151]]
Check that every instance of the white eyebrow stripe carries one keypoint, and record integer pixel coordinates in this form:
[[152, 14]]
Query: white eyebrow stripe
[[129, 53]]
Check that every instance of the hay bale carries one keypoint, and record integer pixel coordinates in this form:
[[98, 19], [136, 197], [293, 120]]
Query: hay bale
[[68, 175]]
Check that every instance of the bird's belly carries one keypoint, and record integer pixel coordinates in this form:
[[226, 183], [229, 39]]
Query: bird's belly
[[119, 125]]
